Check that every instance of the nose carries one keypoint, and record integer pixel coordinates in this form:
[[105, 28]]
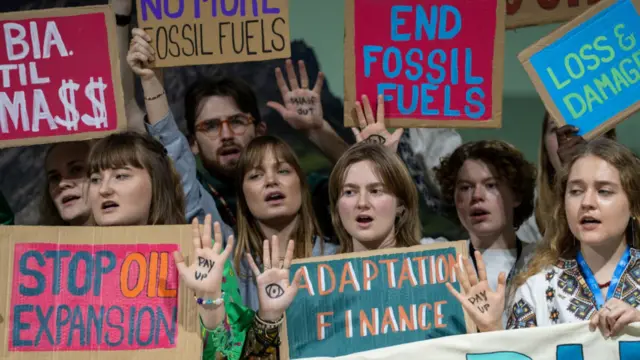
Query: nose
[[270, 177], [225, 131], [105, 188], [589, 199], [66, 183], [478, 193], [363, 200]]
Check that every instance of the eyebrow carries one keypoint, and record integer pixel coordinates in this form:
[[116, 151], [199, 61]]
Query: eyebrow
[[491, 178], [597, 182], [375, 184]]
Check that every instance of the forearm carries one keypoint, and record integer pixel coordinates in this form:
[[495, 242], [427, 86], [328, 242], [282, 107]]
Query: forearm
[[328, 141], [155, 97], [263, 340]]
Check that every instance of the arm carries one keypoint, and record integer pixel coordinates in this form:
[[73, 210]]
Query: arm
[[302, 109], [521, 311]]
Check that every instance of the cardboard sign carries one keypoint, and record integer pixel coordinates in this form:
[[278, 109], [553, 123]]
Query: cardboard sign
[[521, 13], [374, 299], [196, 32], [588, 71], [60, 76], [557, 342], [438, 63], [88, 292]]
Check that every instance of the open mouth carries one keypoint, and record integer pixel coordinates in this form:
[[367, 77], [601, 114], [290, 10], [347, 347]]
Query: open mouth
[[68, 198], [479, 212], [589, 220], [109, 205], [364, 219], [229, 151], [274, 196]]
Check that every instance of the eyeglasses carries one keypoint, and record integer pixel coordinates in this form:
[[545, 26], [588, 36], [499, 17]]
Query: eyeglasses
[[238, 125]]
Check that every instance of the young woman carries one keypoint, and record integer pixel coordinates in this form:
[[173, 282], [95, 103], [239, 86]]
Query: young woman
[[133, 182], [374, 203], [273, 201], [587, 265]]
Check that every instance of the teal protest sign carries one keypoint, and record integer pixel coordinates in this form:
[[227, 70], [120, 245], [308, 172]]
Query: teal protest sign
[[588, 71], [374, 299]]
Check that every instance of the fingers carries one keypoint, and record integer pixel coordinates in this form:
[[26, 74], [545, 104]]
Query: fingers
[[289, 256], [319, 83], [593, 322], [266, 255], [304, 78], [368, 113], [502, 283], [565, 131], [380, 110], [206, 236], [228, 250], [471, 272], [462, 279], [275, 250], [278, 107], [182, 267], [252, 264], [139, 32], [195, 233], [291, 74], [396, 136], [217, 239], [362, 122], [602, 322], [282, 85], [482, 270], [625, 319], [455, 293], [356, 134]]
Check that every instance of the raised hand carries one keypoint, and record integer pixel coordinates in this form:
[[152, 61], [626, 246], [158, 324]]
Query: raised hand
[[373, 129], [613, 317], [204, 274], [275, 293], [302, 107], [481, 303], [568, 142], [141, 54]]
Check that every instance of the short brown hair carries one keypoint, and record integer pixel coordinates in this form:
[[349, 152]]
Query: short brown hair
[[396, 179], [508, 163], [144, 152]]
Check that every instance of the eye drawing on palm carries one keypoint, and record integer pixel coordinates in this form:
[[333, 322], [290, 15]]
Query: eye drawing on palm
[[375, 139], [274, 291]]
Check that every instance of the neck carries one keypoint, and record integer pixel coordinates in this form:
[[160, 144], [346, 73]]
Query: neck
[[504, 240], [386, 243], [220, 174], [282, 228], [603, 259]]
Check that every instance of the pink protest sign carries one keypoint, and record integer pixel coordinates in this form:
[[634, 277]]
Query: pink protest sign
[[60, 76], [438, 63], [69, 297]]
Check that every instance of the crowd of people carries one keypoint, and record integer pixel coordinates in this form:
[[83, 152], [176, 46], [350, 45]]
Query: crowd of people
[[549, 244]]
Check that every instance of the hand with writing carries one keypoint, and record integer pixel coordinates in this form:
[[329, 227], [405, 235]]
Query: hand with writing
[[484, 306], [275, 293], [204, 275], [141, 54], [373, 129], [613, 317], [568, 142], [302, 107]]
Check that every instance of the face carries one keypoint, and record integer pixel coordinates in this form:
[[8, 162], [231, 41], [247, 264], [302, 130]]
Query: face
[[484, 203], [120, 196], [551, 144], [367, 210], [66, 168], [596, 206], [272, 190], [218, 144]]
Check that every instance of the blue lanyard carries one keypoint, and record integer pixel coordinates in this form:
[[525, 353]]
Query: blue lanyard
[[593, 284]]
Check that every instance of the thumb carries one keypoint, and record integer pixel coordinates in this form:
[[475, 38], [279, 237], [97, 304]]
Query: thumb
[[295, 284], [277, 107], [397, 134]]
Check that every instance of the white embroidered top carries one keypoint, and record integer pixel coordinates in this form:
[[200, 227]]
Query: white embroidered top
[[560, 295]]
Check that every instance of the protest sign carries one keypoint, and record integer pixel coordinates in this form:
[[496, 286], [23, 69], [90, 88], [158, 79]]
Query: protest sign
[[195, 32], [588, 71], [521, 13], [374, 299], [60, 76], [558, 342], [88, 292], [437, 63]]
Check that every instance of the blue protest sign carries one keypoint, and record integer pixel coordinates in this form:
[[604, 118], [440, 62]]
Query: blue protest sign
[[588, 71]]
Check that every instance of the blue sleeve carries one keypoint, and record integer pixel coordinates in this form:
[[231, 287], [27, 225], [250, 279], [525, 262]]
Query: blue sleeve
[[198, 201]]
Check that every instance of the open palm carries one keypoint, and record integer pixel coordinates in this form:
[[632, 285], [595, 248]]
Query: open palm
[[484, 306], [204, 274], [275, 292], [373, 129], [302, 107]]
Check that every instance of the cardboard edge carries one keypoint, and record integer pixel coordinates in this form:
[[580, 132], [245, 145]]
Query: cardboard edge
[[497, 75], [54, 12], [350, 90], [116, 77]]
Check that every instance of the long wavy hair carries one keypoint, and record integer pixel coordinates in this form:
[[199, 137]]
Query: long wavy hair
[[396, 179], [250, 236], [558, 241]]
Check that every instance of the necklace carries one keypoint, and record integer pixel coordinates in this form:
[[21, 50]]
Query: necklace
[[602, 286], [224, 204]]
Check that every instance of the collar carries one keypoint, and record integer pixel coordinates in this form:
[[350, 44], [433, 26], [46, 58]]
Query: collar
[[566, 264]]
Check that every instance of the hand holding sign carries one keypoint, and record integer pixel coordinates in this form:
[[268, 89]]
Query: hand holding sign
[[204, 275], [568, 142], [275, 293], [481, 303], [613, 317], [373, 129], [303, 108], [141, 54]]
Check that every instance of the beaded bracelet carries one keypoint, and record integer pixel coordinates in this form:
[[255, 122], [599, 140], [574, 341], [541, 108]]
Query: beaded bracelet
[[216, 302], [151, 98]]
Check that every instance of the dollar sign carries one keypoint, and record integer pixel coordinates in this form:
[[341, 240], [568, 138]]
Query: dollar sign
[[67, 95], [98, 105]]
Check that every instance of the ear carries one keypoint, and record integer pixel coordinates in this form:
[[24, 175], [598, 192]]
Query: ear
[[261, 128], [400, 210], [193, 144]]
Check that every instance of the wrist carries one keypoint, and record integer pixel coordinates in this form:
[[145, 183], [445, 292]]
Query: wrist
[[269, 316]]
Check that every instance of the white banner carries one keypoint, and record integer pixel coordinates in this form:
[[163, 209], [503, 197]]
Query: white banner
[[559, 342]]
